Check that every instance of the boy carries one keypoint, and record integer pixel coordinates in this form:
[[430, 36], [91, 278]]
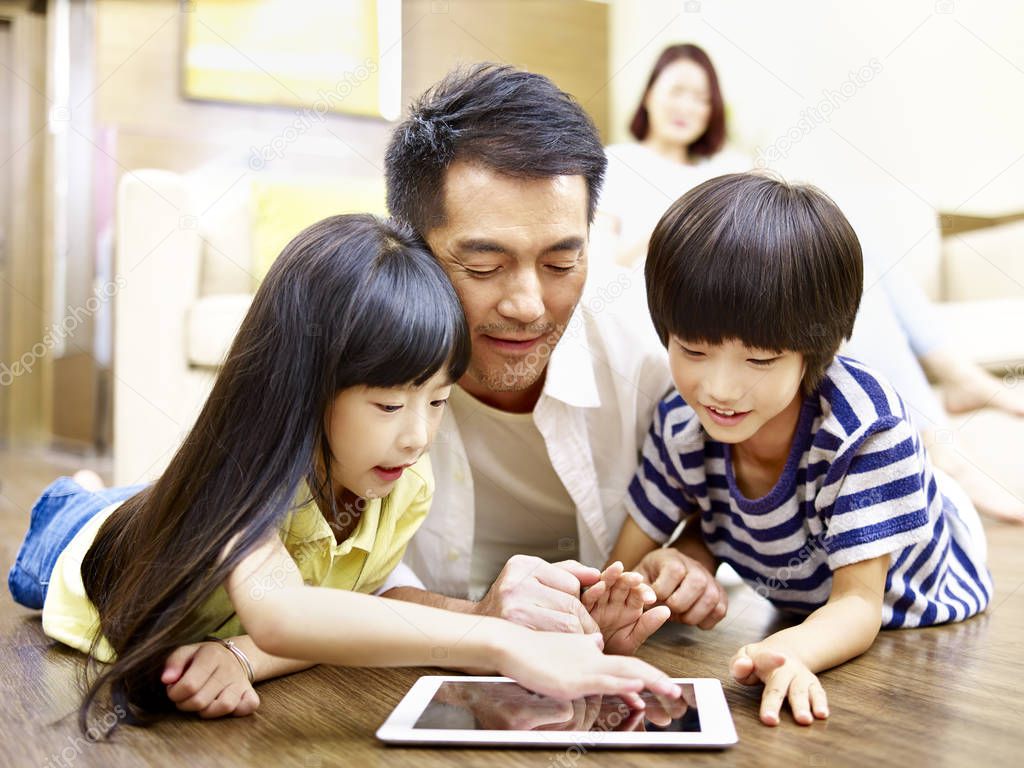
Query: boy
[[797, 467]]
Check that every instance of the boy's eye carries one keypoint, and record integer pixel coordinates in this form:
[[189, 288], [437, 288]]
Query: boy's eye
[[388, 408], [482, 272], [757, 361], [439, 403], [691, 352], [560, 269]]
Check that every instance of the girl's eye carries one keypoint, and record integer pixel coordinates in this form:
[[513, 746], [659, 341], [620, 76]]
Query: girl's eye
[[767, 362], [439, 403], [388, 408]]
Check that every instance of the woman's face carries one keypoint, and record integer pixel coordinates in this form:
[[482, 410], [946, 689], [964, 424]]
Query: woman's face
[[679, 104]]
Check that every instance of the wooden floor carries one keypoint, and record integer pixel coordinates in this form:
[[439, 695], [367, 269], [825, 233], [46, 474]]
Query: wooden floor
[[941, 696]]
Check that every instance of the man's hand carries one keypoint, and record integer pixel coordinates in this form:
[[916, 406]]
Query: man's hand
[[541, 595], [784, 677], [691, 592], [206, 678], [617, 603]]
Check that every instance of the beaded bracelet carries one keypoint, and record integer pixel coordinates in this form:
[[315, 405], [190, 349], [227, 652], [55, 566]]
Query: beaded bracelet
[[242, 658]]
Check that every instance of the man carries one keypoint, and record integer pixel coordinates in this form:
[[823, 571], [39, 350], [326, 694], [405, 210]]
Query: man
[[500, 172]]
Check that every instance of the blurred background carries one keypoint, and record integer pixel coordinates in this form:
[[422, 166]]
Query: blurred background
[[156, 155]]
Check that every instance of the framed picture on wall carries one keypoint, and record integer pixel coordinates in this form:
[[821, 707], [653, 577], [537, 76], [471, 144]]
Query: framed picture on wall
[[342, 56]]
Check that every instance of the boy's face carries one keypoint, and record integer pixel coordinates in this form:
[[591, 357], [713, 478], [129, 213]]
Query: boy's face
[[734, 389]]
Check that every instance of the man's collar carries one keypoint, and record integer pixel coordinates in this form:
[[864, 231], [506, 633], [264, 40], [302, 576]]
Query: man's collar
[[570, 370]]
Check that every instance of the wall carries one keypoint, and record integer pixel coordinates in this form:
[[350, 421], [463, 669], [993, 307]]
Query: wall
[[24, 306], [933, 109]]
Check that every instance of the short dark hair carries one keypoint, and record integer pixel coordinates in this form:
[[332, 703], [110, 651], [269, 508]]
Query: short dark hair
[[714, 135], [749, 257], [514, 122]]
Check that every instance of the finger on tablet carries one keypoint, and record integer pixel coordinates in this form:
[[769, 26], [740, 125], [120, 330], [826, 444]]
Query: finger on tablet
[[634, 700], [653, 679]]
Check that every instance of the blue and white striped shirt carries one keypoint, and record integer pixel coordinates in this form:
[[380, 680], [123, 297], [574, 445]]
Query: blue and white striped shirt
[[857, 485]]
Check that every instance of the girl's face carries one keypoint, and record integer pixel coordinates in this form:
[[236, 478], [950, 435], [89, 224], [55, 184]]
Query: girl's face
[[377, 433], [679, 104], [734, 389]]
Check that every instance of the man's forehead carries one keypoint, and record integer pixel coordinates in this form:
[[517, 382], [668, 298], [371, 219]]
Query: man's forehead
[[482, 204]]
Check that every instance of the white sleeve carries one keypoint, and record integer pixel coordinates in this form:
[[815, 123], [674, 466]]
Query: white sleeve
[[402, 576]]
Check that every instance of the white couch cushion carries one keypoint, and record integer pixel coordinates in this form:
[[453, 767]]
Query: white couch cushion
[[990, 332], [985, 264], [220, 205], [213, 322]]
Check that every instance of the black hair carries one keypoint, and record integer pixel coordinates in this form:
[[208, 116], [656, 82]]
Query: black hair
[[352, 300], [514, 122], [749, 257]]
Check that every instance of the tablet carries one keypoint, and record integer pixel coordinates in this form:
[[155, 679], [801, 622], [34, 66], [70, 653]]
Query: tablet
[[495, 711]]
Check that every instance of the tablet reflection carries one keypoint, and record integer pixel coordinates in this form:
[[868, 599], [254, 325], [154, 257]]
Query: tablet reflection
[[476, 706]]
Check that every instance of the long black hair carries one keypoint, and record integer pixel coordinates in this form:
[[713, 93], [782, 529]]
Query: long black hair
[[351, 300]]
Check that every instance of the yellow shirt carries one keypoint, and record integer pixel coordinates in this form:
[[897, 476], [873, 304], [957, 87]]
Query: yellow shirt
[[361, 563]]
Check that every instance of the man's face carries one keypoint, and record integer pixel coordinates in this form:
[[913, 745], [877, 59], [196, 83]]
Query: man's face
[[515, 249]]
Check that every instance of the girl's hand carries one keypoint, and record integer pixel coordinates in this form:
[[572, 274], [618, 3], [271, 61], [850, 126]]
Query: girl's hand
[[617, 604], [566, 667], [783, 677], [206, 678]]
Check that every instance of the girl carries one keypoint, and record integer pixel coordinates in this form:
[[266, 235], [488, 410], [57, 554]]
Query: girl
[[306, 469]]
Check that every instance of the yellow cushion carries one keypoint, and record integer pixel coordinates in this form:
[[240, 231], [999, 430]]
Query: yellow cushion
[[282, 209]]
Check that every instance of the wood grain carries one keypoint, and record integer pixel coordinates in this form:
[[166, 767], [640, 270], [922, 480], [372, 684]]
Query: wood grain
[[941, 696]]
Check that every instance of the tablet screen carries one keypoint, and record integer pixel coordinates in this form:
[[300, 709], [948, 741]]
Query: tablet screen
[[501, 706]]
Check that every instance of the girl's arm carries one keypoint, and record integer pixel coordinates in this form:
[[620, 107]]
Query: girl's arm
[[350, 629], [206, 678], [845, 627]]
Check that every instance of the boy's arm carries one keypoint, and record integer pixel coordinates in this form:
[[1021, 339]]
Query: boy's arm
[[691, 543], [845, 627], [682, 574], [632, 545]]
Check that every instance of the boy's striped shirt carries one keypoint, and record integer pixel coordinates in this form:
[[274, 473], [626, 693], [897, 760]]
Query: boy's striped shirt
[[857, 485]]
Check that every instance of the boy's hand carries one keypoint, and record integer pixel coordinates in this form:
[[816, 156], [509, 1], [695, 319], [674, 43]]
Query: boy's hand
[[691, 592], [617, 603], [783, 677], [206, 678]]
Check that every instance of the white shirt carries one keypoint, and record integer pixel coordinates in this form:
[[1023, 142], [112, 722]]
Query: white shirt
[[640, 184], [521, 505], [604, 379]]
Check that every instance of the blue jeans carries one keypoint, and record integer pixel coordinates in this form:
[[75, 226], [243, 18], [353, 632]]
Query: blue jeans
[[56, 517]]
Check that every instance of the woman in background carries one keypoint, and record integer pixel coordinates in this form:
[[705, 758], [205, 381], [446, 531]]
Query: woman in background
[[680, 131]]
